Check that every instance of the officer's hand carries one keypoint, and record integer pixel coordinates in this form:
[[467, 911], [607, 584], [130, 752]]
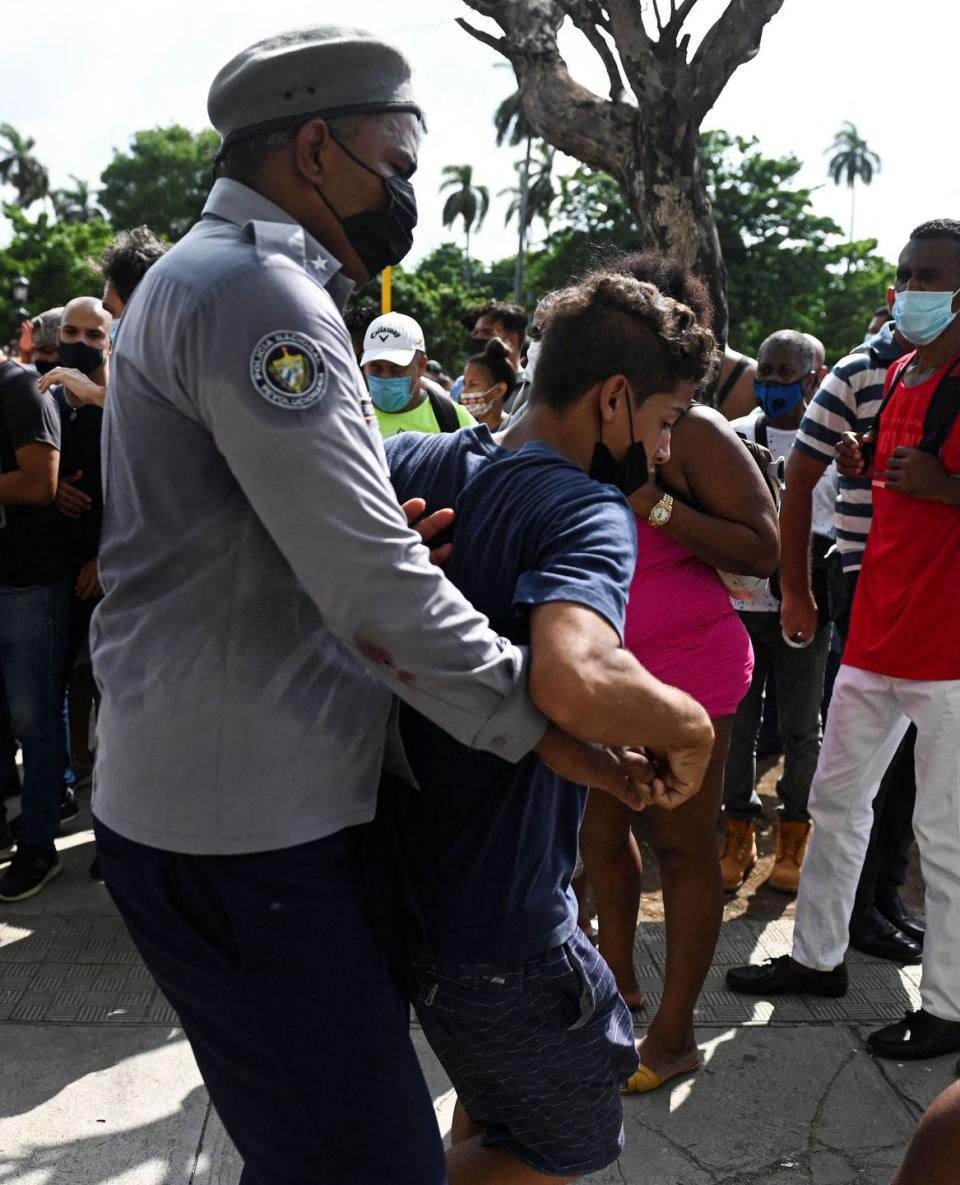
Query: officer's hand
[[627, 774], [430, 527], [88, 581], [799, 617], [917, 473], [72, 502], [76, 382]]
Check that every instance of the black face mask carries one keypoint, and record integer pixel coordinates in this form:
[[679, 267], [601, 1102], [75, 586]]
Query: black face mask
[[42, 367], [80, 356], [630, 472], [476, 345], [380, 238]]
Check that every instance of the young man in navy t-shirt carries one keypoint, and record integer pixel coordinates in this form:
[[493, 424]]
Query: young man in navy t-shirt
[[520, 1009]]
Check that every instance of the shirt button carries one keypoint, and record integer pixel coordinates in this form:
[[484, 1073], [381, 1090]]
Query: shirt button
[[498, 742]]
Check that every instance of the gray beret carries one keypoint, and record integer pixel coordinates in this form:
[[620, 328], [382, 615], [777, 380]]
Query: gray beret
[[322, 72]]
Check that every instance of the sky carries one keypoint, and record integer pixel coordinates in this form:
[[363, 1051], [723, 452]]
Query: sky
[[82, 79]]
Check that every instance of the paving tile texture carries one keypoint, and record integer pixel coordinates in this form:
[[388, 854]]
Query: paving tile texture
[[104, 1090]]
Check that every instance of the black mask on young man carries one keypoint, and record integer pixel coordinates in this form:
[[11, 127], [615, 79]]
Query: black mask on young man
[[380, 238], [80, 356], [630, 472]]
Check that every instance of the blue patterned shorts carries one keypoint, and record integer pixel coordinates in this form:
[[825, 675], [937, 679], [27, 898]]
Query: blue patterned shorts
[[537, 1052]]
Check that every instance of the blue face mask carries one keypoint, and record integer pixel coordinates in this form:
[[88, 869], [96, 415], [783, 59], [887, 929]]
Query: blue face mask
[[390, 395], [776, 399], [922, 316]]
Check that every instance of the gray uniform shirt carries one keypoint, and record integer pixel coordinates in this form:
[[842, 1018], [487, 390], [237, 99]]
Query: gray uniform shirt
[[252, 544]]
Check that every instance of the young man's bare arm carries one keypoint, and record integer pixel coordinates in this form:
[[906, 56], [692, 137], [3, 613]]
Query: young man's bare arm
[[583, 680]]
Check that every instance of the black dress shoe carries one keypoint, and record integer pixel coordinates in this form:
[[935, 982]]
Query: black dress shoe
[[871, 933], [776, 977], [918, 1036], [893, 910]]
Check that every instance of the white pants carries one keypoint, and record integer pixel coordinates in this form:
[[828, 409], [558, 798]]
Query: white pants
[[868, 717]]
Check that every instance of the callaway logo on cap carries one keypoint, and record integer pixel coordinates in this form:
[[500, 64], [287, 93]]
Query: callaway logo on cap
[[394, 337]]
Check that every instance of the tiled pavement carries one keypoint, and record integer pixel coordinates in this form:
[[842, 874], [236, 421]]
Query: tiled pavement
[[57, 969], [99, 1086]]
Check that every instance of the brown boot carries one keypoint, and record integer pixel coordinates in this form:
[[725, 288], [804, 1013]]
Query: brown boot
[[792, 840], [739, 852]]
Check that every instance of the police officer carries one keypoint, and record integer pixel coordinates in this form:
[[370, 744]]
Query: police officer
[[264, 601]]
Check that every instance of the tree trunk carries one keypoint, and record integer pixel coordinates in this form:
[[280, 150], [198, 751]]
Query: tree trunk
[[524, 205], [664, 185], [466, 257]]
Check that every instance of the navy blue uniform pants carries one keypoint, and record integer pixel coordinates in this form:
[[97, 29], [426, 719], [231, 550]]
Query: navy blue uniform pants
[[299, 1031]]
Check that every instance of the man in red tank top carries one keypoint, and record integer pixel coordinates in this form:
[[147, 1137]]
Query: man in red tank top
[[901, 664]]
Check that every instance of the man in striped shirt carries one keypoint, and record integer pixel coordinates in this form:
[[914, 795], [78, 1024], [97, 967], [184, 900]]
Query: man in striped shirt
[[848, 400]]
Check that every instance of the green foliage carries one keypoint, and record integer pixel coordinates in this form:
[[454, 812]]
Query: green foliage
[[590, 221], [54, 256], [787, 267], [20, 169], [162, 181]]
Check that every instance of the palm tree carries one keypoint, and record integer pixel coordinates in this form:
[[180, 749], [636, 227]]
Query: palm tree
[[76, 204], [534, 196], [468, 201], [852, 161], [512, 125], [20, 168]]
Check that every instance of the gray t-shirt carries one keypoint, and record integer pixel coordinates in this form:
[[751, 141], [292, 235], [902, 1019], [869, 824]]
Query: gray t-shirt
[[264, 596]]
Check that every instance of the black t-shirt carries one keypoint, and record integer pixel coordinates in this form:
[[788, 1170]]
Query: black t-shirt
[[80, 451], [31, 539]]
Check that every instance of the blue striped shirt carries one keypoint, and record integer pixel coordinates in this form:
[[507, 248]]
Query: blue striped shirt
[[847, 401]]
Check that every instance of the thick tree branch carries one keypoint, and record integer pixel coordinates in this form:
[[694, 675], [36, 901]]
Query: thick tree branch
[[567, 115], [733, 40], [586, 15], [678, 14]]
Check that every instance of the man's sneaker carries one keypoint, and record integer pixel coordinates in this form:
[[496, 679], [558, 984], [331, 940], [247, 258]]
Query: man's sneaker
[[30, 869], [776, 977], [69, 807], [739, 853], [8, 841], [792, 840]]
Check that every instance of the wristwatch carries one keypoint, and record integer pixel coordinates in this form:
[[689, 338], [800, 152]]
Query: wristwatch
[[659, 516]]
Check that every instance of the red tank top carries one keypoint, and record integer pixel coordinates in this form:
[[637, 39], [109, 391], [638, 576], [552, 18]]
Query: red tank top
[[904, 621]]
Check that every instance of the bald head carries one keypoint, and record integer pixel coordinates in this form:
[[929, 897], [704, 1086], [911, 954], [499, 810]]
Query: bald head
[[85, 327], [786, 345], [86, 320]]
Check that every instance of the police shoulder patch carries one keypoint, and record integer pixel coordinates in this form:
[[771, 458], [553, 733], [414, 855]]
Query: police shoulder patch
[[288, 370]]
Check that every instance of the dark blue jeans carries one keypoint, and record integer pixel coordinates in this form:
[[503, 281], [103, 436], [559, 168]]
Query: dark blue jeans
[[799, 676], [299, 1031], [33, 636]]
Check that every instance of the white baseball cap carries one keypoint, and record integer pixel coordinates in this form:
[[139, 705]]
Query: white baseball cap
[[394, 337]]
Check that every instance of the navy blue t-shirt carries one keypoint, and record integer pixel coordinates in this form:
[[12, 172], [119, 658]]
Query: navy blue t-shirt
[[488, 848]]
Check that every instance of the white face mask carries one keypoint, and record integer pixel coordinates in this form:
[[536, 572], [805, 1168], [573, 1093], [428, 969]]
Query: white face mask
[[477, 403], [533, 353]]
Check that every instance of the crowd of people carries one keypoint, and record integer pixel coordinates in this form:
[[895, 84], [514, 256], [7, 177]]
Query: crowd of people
[[335, 774]]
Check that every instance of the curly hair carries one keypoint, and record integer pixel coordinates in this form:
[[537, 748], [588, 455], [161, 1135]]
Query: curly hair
[[611, 324], [128, 258], [670, 275]]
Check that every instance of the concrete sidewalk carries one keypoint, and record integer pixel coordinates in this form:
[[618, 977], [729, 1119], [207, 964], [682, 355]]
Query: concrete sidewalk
[[99, 1086]]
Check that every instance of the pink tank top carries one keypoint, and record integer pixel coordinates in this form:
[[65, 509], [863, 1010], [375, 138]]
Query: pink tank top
[[682, 627]]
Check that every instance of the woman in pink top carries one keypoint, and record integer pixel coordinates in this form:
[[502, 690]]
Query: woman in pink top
[[682, 627]]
